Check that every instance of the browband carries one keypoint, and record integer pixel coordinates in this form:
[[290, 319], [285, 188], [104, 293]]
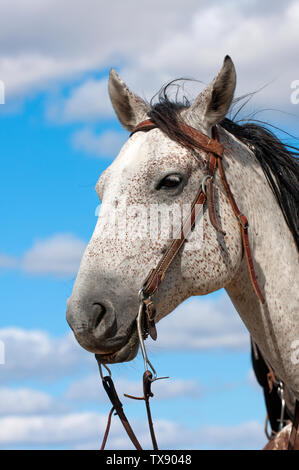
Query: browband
[[200, 141]]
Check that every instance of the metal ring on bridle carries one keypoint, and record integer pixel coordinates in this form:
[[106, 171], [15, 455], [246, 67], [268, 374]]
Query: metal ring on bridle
[[204, 182], [101, 371], [141, 341]]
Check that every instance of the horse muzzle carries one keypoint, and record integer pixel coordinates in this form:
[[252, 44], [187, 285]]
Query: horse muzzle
[[96, 329]]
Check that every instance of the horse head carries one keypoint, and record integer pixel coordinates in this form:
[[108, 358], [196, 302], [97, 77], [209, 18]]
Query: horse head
[[154, 178]]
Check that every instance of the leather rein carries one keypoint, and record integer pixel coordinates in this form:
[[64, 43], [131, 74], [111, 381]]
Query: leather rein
[[147, 311]]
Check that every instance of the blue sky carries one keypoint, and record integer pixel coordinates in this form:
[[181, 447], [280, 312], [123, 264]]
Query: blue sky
[[58, 133]]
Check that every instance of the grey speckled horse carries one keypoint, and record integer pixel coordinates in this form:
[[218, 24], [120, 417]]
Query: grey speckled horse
[[153, 168]]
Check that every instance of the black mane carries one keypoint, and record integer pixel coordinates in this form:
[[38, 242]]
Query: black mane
[[278, 160]]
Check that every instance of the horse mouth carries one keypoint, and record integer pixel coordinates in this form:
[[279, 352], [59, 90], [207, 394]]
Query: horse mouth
[[125, 354]]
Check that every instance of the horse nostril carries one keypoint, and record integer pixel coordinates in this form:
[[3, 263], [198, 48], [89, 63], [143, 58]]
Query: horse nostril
[[99, 311]]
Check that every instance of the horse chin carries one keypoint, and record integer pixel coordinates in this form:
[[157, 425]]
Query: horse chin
[[124, 354]]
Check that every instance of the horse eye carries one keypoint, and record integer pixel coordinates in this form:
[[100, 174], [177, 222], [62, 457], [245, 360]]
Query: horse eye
[[170, 182]]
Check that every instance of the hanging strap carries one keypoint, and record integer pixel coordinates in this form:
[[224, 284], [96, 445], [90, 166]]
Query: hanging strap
[[107, 429], [118, 407], [147, 394]]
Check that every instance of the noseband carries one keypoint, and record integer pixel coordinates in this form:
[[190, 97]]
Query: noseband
[[147, 311]]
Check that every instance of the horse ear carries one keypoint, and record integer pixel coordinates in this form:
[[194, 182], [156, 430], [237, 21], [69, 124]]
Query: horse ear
[[213, 103], [129, 108]]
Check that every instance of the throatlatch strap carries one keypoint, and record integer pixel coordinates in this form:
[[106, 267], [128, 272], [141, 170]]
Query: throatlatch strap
[[243, 222]]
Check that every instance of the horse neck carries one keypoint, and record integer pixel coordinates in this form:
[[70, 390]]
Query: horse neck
[[274, 325]]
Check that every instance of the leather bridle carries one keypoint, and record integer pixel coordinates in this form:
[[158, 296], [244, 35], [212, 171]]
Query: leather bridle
[[147, 311]]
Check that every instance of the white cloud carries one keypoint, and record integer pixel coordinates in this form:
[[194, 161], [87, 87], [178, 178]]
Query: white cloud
[[59, 255], [7, 261], [151, 43], [245, 436], [198, 49], [202, 323], [248, 435], [85, 430], [28, 73], [76, 429], [195, 325], [206, 324], [24, 401], [192, 42], [88, 101], [35, 354], [41, 429], [106, 144], [60, 40]]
